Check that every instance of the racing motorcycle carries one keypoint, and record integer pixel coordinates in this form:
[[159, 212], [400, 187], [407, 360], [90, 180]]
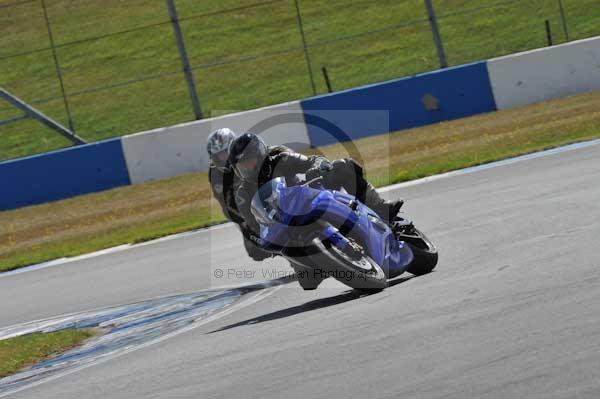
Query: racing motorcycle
[[329, 233]]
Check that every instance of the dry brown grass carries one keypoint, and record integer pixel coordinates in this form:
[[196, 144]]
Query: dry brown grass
[[149, 210], [133, 211]]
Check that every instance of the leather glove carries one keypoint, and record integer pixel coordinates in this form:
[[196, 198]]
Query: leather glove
[[319, 170]]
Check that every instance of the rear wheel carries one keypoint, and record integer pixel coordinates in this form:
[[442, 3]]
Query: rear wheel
[[424, 251], [424, 261]]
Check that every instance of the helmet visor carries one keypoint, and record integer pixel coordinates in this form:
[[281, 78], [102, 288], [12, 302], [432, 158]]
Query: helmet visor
[[248, 157], [220, 158], [247, 168]]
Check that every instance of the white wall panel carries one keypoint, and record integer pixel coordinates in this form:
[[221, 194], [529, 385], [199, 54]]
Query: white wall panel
[[180, 149], [547, 73]]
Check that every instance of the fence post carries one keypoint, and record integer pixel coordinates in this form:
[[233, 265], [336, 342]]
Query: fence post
[[57, 67], [437, 38], [326, 77], [304, 46], [185, 62], [548, 33], [564, 19]]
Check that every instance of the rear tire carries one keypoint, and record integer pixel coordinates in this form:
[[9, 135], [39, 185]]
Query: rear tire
[[424, 261], [424, 251]]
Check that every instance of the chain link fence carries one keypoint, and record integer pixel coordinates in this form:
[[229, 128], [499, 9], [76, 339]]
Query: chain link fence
[[114, 67]]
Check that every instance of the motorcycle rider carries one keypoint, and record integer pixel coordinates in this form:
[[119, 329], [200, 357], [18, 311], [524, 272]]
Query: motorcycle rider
[[255, 163], [220, 174], [224, 183]]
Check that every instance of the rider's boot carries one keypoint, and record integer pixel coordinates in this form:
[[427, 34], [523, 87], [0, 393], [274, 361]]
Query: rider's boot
[[307, 278], [387, 210]]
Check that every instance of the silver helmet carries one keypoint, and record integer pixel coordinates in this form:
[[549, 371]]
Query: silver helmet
[[218, 146]]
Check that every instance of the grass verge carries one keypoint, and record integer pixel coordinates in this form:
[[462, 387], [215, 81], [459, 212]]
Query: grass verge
[[142, 212], [20, 352]]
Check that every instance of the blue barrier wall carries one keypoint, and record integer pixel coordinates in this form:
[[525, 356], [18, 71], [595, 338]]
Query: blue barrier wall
[[62, 174], [455, 92], [399, 104]]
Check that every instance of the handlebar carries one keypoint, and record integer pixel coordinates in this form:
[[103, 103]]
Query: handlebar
[[308, 183]]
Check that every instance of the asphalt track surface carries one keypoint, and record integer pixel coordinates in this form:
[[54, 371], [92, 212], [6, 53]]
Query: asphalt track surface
[[513, 310]]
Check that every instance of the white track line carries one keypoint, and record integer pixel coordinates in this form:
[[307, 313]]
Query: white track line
[[473, 169]]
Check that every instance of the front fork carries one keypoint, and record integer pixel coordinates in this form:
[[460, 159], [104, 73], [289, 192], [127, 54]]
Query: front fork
[[332, 235]]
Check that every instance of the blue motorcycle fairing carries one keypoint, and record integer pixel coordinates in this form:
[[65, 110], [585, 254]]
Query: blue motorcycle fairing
[[285, 208], [367, 226], [296, 210]]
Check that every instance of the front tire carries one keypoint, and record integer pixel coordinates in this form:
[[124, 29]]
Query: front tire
[[362, 274]]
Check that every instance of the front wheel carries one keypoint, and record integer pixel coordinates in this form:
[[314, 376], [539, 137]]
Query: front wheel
[[362, 274]]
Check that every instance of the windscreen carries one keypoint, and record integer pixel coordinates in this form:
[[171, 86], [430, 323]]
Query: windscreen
[[265, 202]]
